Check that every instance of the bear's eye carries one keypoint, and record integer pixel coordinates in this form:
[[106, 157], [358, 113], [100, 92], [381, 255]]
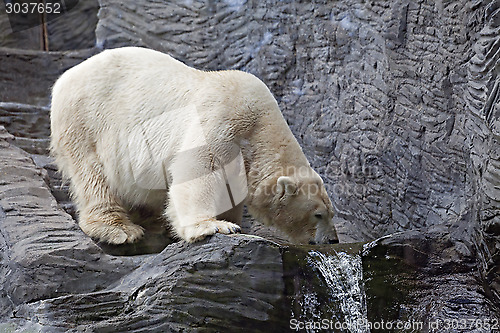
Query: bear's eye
[[318, 216]]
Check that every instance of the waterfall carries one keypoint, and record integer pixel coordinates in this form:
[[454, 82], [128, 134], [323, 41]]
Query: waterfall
[[343, 309]]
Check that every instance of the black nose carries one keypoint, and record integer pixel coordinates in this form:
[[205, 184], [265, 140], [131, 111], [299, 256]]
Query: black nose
[[333, 241]]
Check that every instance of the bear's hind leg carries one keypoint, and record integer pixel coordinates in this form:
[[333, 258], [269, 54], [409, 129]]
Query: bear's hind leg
[[101, 215]]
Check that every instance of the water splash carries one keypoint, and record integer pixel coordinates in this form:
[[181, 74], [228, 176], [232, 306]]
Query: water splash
[[343, 275]]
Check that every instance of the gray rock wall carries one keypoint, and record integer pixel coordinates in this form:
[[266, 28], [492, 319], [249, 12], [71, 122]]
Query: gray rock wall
[[27, 76], [374, 95], [482, 126], [393, 101], [82, 18]]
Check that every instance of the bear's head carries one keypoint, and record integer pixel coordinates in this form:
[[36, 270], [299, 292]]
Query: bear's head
[[298, 205]]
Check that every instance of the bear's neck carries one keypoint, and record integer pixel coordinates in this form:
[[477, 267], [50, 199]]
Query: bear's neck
[[271, 151]]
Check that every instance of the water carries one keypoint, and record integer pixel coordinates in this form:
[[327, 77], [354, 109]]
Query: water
[[344, 309]]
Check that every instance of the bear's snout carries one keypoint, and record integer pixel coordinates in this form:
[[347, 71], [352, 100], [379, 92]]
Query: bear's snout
[[325, 234], [329, 241]]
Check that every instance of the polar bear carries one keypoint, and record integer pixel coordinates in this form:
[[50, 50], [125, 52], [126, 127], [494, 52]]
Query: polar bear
[[135, 127]]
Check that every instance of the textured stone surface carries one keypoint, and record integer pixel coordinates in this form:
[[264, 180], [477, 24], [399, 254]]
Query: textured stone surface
[[27, 76], [365, 87], [29, 123], [71, 31], [482, 129], [82, 19], [394, 102], [55, 277], [40, 243], [26, 39], [184, 287]]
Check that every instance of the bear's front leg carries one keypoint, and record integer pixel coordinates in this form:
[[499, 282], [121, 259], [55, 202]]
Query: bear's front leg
[[193, 207], [195, 229]]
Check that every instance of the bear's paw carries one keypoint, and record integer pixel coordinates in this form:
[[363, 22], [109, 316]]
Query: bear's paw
[[112, 229], [202, 229]]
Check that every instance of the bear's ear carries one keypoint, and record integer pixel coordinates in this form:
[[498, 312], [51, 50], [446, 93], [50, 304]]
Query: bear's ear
[[286, 186]]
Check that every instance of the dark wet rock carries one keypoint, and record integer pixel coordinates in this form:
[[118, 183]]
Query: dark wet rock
[[394, 102], [426, 278], [482, 127]]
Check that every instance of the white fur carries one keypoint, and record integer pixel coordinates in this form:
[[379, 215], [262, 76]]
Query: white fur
[[123, 120]]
